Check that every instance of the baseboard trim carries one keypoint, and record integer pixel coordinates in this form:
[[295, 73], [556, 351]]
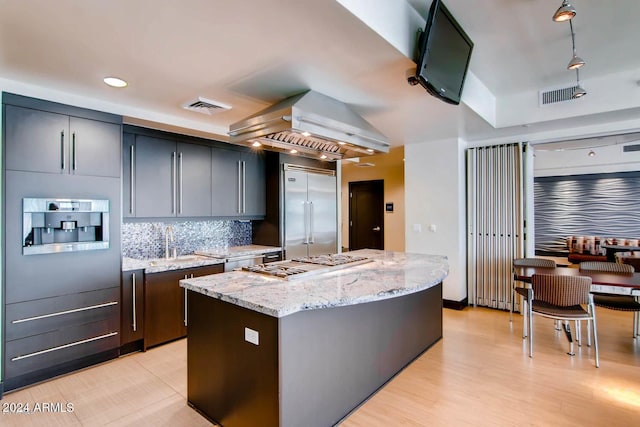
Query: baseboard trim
[[455, 305]]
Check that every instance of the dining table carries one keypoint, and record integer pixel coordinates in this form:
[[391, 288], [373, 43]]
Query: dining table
[[602, 282]]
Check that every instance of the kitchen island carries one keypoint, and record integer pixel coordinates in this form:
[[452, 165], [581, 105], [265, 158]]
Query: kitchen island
[[266, 350]]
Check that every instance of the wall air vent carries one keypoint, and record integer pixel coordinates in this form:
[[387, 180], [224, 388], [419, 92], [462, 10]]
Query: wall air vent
[[556, 95], [629, 148], [205, 106], [365, 165]]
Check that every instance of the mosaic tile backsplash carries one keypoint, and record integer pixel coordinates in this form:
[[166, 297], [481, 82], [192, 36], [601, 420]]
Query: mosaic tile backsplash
[[144, 240]]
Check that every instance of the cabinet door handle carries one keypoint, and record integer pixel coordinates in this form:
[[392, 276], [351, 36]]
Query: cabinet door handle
[[133, 299], [60, 347], [62, 165], [74, 164], [244, 187], [62, 313], [239, 186], [173, 182], [132, 174], [185, 301], [180, 181]]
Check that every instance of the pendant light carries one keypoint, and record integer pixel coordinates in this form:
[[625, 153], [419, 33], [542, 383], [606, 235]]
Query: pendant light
[[576, 61], [578, 91], [564, 13]]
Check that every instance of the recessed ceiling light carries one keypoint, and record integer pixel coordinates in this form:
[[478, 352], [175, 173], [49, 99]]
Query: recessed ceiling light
[[341, 143], [293, 151], [115, 82], [305, 134], [256, 144], [323, 157], [370, 150]]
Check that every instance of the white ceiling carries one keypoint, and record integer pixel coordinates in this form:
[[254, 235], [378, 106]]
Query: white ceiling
[[250, 54]]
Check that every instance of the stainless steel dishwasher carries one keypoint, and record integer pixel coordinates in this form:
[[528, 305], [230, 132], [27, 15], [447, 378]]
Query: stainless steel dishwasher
[[233, 263]]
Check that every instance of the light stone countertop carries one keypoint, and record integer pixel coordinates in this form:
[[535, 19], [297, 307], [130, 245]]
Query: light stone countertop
[[389, 275], [159, 265], [217, 256], [238, 251]]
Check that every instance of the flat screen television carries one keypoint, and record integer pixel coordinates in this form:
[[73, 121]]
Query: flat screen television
[[444, 55]]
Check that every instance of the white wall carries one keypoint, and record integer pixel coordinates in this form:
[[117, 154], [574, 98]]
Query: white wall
[[434, 181]]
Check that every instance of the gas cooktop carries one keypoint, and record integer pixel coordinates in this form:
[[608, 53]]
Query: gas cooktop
[[303, 267], [332, 259]]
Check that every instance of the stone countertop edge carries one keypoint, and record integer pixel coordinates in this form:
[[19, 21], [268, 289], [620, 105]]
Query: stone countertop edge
[[162, 265], [239, 251], [389, 275], [158, 265]]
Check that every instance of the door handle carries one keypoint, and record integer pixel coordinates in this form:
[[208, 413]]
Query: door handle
[[62, 165], [376, 228], [180, 183], [174, 182], [74, 163], [186, 308], [311, 215], [306, 218], [133, 302], [244, 187], [239, 186], [132, 175]]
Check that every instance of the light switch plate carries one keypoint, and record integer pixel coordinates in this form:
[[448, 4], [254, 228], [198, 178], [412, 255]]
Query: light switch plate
[[251, 336]]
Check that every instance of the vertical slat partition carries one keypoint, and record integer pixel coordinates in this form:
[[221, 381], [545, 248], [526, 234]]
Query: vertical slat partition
[[495, 222]]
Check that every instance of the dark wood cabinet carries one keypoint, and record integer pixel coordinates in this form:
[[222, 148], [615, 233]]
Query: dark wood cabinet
[[155, 187], [43, 141], [165, 304], [238, 183], [49, 336], [165, 178], [167, 175], [132, 307]]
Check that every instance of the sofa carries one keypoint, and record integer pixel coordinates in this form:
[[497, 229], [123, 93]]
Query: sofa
[[589, 248]]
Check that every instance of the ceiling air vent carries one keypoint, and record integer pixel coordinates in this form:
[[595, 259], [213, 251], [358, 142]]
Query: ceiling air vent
[[557, 95], [628, 148], [205, 106]]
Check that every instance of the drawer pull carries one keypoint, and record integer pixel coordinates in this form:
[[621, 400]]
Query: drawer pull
[[60, 313], [60, 347]]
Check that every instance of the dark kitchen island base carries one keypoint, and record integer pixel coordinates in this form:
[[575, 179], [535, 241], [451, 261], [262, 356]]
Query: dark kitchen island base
[[309, 368]]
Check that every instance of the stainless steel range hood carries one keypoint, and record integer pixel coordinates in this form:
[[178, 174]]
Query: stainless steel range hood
[[314, 125]]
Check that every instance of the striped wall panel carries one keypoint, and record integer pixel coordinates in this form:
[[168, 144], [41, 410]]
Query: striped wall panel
[[606, 205], [494, 222]]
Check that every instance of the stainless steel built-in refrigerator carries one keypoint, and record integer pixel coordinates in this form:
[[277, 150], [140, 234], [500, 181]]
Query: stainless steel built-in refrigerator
[[310, 212]]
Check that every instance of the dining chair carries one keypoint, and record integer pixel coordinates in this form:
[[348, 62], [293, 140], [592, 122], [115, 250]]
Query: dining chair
[[614, 301], [606, 267], [562, 298], [520, 289]]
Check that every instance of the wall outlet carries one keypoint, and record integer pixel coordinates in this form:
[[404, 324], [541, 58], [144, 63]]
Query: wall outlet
[[251, 336], [417, 228]]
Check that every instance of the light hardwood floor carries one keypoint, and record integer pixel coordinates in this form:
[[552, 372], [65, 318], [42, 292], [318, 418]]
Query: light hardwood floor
[[478, 375]]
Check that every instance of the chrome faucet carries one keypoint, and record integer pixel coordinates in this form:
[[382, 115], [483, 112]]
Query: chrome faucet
[[168, 236]]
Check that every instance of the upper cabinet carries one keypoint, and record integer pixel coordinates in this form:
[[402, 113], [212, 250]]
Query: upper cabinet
[[238, 180], [167, 175], [39, 140], [164, 178]]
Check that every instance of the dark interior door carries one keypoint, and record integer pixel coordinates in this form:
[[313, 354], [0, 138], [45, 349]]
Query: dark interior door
[[366, 220]]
